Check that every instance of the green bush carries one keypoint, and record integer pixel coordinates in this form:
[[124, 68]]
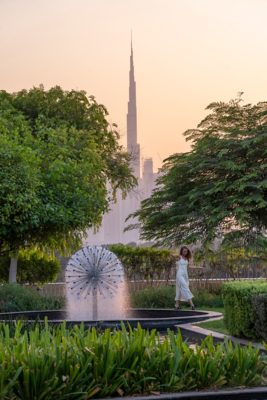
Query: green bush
[[154, 297], [163, 297], [18, 298], [60, 363], [145, 262], [207, 298], [260, 307], [240, 308], [33, 267]]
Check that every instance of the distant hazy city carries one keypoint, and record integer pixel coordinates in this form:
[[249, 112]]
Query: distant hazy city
[[113, 225]]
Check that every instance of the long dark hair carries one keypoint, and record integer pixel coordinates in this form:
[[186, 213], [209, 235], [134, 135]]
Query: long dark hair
[[189, 255]]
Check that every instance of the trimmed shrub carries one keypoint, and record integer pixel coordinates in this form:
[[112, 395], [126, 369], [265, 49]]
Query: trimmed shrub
[[208, 298], [18, 298], [33, 267], [260, 307], [154, 297], [240, 307], [145, 262], [163, 297]]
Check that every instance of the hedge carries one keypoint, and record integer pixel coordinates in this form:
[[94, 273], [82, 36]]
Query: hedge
[[163, 297], [245, 308], [260, 306], [33, 267], [145, 262], [15, 297]]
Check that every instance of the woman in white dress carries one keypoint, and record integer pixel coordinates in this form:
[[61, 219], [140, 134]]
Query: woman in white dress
[[183, 292]]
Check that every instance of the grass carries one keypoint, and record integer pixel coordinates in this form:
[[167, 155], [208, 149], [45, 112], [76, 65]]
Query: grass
[[215, 309], [216, 325]]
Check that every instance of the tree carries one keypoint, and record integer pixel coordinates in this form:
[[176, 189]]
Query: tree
[[19, 201], [217, 187], [74, 110], [59, 153], [237, 254], [34, 267]]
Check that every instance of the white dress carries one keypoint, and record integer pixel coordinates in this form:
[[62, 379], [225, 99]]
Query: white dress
[[183, 292]]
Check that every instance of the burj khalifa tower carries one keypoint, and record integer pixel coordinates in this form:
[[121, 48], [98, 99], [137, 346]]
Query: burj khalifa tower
[[132, 146]]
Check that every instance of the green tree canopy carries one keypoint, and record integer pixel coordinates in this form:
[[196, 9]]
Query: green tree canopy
[[58, 158], [217, 187], [20, 185], [74, 110]]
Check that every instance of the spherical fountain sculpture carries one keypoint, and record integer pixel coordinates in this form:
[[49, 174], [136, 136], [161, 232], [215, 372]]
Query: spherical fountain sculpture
[[95, 285], [97, 297]]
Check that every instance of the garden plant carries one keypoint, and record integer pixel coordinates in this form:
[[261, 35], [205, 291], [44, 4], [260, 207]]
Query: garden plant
[[245, 304], [14, 297], [62, 363]]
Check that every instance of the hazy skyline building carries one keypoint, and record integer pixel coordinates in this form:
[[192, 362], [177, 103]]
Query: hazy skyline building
[[148, 178], [133, 199], [113, 225], [132, 146]]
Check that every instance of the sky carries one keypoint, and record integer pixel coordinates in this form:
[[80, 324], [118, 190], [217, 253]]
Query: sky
[[187, 54]]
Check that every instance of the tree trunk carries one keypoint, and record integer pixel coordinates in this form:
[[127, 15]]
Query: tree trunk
[[13, 268]]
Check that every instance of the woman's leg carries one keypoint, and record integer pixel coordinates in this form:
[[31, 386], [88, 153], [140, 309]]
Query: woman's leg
[[191, 304], [177, 294], [177, 304]]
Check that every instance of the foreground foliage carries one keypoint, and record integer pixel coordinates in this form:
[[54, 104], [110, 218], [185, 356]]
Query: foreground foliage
[[82, 364], [246, 308]]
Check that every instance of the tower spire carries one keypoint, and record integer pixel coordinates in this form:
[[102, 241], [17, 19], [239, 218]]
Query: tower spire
[[132, 145]]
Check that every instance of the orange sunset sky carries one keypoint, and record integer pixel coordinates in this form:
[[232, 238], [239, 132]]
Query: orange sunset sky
[[187, 53]]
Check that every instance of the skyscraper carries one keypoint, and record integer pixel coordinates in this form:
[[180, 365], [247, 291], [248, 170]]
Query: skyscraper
[[112, 229], [132, 146]]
